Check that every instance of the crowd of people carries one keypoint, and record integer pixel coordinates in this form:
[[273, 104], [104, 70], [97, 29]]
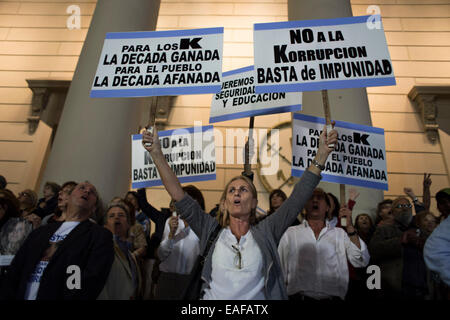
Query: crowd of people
[[63, 246]]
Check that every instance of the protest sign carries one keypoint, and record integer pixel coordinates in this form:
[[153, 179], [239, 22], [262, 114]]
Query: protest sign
[[157, 63], [314, 55], [190, 153], [238, 99], [359, 157]]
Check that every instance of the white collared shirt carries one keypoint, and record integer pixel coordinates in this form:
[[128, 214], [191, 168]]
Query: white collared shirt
[[228, 281], [333, 222], [318, 267], [178, 255]]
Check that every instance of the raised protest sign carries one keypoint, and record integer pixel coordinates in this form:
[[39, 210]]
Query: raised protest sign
[[190, 153], [359, 158], [314, 55], [157, 63], [238, 99]]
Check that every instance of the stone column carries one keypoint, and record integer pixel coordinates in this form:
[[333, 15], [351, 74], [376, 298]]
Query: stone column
[[349, 105], [93, 141]]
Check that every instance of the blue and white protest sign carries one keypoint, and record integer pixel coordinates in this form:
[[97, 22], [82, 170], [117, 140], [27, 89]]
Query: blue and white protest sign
[[238, 99], [190, 153], [314, 55], [359, 157], [158, 63]]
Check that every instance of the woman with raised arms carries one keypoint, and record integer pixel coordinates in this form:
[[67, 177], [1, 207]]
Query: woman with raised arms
[[243, 262]]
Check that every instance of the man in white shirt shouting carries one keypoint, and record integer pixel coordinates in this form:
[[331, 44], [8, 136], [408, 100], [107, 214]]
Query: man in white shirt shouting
[[66, 260], [314, 254]]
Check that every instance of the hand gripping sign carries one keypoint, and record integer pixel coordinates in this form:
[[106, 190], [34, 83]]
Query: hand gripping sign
[[238, 99], [190, 153], [359, 157], [314, 55], [158, 63]]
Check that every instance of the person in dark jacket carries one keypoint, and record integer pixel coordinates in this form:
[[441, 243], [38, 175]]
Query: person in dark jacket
[[386, 249], [416, 282], [67, 260], [48, 204], [158, 217]]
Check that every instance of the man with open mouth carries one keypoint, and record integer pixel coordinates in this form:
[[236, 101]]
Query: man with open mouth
[[66, 260]]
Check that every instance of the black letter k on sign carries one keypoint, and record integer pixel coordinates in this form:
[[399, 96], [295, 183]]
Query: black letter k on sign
[[192, 43], [360, 138]]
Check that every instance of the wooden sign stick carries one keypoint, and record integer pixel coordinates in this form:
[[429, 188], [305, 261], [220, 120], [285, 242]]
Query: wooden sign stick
[[247, 164], [326, 109], [152, 116]]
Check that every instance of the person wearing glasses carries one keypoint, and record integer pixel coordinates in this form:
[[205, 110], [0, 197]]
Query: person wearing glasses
[[45, 267], [242, 262], [28, 201], [386, 249]]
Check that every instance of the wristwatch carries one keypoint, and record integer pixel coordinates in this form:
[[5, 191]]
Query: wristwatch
[[351, 233], [318, 165]]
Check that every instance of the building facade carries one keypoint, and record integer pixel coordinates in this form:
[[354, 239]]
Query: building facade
[[43, 40]]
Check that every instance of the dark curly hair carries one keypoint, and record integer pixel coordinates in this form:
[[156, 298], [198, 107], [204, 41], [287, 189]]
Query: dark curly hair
[[279, 193], [337, 206]]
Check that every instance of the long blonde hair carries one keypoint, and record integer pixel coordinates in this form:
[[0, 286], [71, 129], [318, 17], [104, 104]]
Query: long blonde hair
[[223, 216]]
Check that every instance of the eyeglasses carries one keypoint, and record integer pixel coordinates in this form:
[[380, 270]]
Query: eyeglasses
[[238, 258], [403, 206]]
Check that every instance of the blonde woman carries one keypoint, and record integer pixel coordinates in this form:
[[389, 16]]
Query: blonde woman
[[243, 262]]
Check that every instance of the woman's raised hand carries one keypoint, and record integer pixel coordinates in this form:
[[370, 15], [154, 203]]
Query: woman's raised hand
[[150, 141], [325, 141]]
